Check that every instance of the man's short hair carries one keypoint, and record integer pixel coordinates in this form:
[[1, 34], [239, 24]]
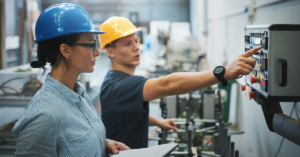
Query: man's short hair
[[112, 44]]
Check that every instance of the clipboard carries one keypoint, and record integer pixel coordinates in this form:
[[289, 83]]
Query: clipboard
[[156, 151]]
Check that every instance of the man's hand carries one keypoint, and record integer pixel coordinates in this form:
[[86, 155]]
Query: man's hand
[[168, 124], [242, 65], [114, 147]]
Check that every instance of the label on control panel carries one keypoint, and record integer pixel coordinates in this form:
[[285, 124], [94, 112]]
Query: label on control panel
[[264, 84], [257, 41], [264, 43]]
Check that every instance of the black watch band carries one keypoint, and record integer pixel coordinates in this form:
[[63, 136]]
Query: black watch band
[[219, 72]]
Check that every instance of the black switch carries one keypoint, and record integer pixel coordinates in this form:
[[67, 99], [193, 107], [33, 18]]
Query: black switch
[[247, 39], [266, 33], [264, 42]]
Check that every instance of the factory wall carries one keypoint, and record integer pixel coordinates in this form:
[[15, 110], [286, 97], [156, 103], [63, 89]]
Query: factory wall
[[148, 10], [226, 20]]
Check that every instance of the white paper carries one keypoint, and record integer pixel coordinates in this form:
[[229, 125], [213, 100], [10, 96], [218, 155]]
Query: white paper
[[155, 151]]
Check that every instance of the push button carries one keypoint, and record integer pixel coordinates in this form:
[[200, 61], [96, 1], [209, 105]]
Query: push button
[[254, 79], [243, 87], [251, 95]]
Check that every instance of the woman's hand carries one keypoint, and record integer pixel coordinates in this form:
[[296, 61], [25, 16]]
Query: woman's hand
[[114, 147]]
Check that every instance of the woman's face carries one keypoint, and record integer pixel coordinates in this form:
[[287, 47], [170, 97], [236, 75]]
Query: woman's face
[[83, 58]]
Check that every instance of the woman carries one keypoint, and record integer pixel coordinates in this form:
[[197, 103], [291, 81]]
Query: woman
[[61, 120]]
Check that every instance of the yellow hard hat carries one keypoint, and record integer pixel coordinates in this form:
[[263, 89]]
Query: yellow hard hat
[[115, 28]]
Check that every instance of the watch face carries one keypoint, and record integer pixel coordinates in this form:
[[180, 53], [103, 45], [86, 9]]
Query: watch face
[[218, 70]]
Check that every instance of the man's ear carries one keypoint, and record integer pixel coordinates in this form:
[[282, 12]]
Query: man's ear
[[65, 51], [110, 52]]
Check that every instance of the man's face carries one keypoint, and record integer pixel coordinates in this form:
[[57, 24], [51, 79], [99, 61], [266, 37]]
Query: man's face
[[127, 51]]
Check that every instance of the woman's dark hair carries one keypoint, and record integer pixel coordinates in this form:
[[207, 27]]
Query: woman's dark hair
[[49, 51]]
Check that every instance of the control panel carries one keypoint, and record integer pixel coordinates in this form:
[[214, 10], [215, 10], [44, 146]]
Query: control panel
[[276, 75]]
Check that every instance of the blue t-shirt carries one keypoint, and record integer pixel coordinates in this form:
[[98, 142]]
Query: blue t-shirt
[[124, 113]]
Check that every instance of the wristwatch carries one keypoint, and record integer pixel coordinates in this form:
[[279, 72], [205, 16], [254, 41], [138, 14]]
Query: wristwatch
[[219, 72]]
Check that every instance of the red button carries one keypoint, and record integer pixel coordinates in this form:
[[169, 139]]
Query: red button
[[243, 87], [252, 79], [251, 94]]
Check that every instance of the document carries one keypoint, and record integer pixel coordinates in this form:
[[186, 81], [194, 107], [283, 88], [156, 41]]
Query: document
[[155, 151]]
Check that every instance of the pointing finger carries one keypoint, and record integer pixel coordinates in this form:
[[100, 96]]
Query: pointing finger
[[250, 52]]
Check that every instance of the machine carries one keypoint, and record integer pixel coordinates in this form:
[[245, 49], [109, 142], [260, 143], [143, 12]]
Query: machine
[[275, 77], [197, 116]]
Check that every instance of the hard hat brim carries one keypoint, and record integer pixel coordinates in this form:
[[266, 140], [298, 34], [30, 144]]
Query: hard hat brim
[[96, 31]]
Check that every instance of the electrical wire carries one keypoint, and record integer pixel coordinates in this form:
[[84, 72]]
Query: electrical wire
[[12, 89], [2, 85], [283, 137], [7, 82]]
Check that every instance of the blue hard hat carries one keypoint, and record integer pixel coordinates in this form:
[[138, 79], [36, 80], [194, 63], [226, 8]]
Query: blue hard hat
[[63, 19]]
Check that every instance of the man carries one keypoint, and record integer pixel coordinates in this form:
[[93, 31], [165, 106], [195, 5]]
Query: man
[[124, 97]]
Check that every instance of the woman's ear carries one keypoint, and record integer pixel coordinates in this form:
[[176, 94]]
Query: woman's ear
[[65, 50], [110, 52]]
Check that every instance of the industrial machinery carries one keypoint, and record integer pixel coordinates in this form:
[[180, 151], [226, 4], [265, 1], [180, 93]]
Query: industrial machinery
[[275, 77], [197, 116]]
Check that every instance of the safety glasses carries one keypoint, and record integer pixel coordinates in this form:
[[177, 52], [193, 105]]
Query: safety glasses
[[92, 45]]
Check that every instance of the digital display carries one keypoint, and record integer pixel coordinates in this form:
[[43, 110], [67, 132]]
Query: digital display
[[218, 70]]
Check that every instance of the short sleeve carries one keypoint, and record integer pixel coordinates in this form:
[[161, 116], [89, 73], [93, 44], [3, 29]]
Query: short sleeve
[[128, 94], [35, 135]]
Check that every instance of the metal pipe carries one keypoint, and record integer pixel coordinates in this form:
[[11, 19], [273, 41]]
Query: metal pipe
[[232, 149], [197, 130], [236, 154], [224, 142], [221, 132], [190, 143], [216, 142], [196, 120], [164, 136], [287, 127], [227, 150], [236, 133]]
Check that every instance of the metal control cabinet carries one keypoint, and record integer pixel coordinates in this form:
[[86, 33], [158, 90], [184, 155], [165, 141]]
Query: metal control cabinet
[[277, 72]]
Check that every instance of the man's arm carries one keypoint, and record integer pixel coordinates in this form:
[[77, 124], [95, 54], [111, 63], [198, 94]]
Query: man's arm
[[165, 123], [187, 82]]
